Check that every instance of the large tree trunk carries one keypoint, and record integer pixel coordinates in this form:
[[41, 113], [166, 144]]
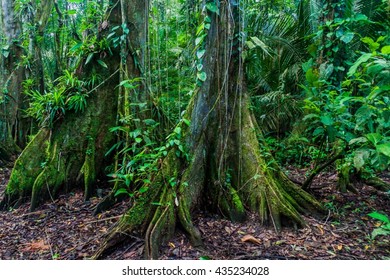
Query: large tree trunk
[[217, 160], [12, 76], [135, 102], [72, 152]]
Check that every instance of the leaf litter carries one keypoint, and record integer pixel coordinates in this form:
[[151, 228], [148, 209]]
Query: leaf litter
[[66, 229]]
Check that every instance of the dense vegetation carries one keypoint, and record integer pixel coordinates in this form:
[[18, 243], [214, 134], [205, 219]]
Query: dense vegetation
[[187, 104]]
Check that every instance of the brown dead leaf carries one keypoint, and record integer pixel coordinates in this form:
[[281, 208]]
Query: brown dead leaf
[[251, 239], [335, 235], [320, 227], [228, 230], [36, 246]]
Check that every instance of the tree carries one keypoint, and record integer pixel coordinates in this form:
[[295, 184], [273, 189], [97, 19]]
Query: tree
[[214, 157], [11, 98], [69, 149]]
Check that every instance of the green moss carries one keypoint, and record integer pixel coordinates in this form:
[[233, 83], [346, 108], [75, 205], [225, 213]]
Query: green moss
[[89, 169]]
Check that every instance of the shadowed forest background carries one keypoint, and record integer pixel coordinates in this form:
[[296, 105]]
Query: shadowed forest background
[[195, 129]]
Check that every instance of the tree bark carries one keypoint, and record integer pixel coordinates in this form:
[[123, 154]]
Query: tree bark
[[217, 161], [12, 76], [72, 153]]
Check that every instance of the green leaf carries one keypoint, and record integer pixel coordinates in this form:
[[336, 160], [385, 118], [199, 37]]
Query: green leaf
[[374, 138], [187, 122], [358, 140], [150, 122], [202, 76], [318, 131], [199, 67], [260, 44], [360, 158], [127, 84], [363, 58], [138, 139], [200, 29], [311, 76], [370, 42], [177, 130], [212, 7], [326, 70], [339, 33], [380, 231], [250, 45], [380, 217], [199, 40], [200, 53], [102, 63], [385, 50], [346, 38], [327, 120], [362, 17], [121, 191], [384, 149], [143, 189], [76, 47], [89, 58], [157, 204]]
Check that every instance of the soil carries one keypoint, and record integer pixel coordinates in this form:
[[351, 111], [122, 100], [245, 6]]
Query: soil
[[66, 229]]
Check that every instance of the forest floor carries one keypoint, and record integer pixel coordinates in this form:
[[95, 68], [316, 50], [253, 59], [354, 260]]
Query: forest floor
[[66, 229]]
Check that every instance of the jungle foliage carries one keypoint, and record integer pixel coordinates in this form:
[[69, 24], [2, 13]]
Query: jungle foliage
[[171, 99]]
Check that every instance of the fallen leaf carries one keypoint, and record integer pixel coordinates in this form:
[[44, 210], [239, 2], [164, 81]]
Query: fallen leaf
[[280, 242], [36, 246], [321, 230], [335, 235], [228, 230], [251, 239]]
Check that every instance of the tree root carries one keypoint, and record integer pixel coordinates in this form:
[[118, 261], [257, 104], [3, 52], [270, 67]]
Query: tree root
[[378, 183], [69, 155]]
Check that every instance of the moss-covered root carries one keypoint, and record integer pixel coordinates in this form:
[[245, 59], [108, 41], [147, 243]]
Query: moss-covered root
[[344, 183], [162, 225], [26, 169], [378, 183], [279, 201], [264, 187], [165, 205], [110, 199], [152, 216]]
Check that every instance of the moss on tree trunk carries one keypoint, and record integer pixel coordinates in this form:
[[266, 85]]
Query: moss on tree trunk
[[228, 169], [72, 152]]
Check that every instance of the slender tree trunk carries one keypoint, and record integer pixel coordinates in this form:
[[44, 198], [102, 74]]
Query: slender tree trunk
[[217, 160]]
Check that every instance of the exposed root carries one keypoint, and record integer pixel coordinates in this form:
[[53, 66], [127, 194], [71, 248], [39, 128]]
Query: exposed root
[[378, 184], [70, 155]]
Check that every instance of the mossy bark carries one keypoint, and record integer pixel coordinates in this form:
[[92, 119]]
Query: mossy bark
[[13, 125], [72, 153], [228, 170], [134, 103], [378, 184]]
